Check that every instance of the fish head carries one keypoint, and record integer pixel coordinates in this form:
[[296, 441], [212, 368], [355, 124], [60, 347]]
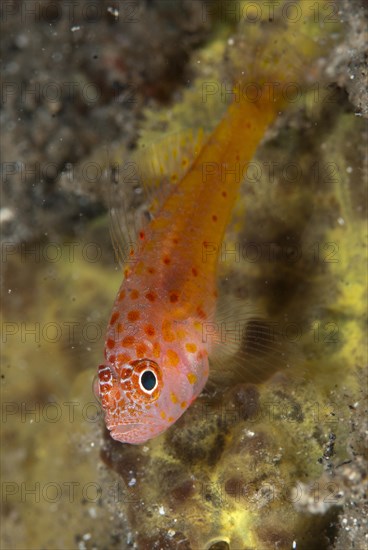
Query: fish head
[[142, 398]]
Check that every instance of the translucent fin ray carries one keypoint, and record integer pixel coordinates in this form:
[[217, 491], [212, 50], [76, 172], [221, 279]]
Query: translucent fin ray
[[138, 187]]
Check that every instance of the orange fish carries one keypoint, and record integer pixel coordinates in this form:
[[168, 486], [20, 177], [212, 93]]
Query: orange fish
[[156, 359]]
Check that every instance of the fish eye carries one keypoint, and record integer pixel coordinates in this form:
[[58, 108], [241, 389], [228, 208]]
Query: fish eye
[[148, 381]]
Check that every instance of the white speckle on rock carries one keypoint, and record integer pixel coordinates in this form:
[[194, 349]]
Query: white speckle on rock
[[6, 215], [113, 11], [92, 512]]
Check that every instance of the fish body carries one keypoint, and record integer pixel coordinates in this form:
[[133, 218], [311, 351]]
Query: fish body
[[156, 358], [156, 355]]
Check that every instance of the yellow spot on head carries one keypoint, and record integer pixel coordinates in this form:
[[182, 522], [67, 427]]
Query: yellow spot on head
[[192, 378], [173, 357], [192, 348], [163, 415], [167, 333], [183, 404], [156, 349], [173, 397]]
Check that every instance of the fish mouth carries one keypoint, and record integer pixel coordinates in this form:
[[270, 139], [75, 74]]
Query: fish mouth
[[136, 432]]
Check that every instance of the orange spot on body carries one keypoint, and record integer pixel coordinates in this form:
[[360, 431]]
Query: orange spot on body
[[141, 235], [128, 341], [104, 376], [151, 270], [166, 260], [151, 296], [114, 318], [214, 218], [149, 330], [134, 294], [192, 348], [195, 271], [175, 240], [173, 357], [121, 295], [141, 350], [110, 343], [224, 194], [167, 333], [156, 349], [173, 297], [133, 315]]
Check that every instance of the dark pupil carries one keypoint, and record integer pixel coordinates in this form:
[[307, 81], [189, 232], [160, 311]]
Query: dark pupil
[[148, 380]]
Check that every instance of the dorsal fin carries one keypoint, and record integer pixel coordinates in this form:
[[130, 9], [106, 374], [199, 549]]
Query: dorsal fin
[[139, 186], [161, 165], [123, 199]]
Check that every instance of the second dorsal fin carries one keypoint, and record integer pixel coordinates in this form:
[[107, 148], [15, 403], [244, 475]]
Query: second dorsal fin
[[161, 165], [138, 188]]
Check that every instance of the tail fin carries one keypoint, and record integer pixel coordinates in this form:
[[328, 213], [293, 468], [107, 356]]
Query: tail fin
[[289, 42]]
